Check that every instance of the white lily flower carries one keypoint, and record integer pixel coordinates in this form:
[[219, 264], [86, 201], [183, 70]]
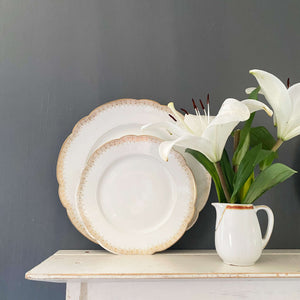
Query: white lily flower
[[284, 101], [205, 134]]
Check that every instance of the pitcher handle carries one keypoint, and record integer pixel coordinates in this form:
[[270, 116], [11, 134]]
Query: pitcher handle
[[270, 215]]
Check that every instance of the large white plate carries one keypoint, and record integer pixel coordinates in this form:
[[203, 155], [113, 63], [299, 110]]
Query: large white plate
[[133, 202], [107, 122]]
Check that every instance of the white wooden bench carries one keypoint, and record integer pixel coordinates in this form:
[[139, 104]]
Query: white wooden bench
[[186, 275]]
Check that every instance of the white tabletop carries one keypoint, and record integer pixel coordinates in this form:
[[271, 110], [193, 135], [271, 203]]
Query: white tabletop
[[67, 265]]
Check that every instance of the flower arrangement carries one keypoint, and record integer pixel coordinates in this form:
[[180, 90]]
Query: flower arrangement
[[252, 170]]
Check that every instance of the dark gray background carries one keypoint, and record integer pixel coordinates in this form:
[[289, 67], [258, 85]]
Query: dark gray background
[[59, 59]]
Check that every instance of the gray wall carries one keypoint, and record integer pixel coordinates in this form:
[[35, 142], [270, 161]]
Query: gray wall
[[59, 59]]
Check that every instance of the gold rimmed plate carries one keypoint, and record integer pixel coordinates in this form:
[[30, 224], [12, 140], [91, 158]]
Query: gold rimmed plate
[[133, 202], [107, 122]]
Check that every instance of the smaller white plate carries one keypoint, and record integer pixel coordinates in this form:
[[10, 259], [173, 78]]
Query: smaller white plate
[[133, 202]]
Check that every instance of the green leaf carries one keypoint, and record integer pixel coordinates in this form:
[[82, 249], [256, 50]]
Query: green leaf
[[244, 142], [210, 167], [268, 178], [261, 135], [242, 148], [246, 168], [245, 188], [268, 160], [227, 171], [254, 94]]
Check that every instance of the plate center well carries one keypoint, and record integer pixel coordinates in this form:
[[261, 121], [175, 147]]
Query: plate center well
[[136, 193]]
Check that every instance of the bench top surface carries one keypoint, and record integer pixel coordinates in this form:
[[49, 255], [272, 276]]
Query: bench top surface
[[67, 265]]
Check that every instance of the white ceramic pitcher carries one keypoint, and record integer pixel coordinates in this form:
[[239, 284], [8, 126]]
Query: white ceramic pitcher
[[238, 237]]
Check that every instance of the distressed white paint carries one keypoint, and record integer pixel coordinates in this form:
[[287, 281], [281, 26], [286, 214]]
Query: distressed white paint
[[174, 275], [193, 289], [73, 290]]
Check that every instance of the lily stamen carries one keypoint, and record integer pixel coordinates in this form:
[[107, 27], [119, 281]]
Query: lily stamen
[[185, 111], [172, 117], [202, 106], [288, 83], [207, 103], [196, 108]]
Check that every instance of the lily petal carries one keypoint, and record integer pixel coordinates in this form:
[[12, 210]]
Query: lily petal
[[197, 143], [196, 123], [231, 110], [294, 132], [294, 92], [179, 116], [231, 113], [218, 136], [277, 95], [169, 127], [254, 105], [166, 147], [294, 121], [251, 89]]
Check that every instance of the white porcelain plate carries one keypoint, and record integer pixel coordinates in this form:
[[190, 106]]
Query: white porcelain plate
[[107, 122], [133, 202]]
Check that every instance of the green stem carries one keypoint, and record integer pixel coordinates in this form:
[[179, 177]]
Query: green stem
[[223, 181], [236, 140], [277, 145]]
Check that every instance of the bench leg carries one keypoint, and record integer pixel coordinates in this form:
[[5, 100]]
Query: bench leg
[[76, 291]]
